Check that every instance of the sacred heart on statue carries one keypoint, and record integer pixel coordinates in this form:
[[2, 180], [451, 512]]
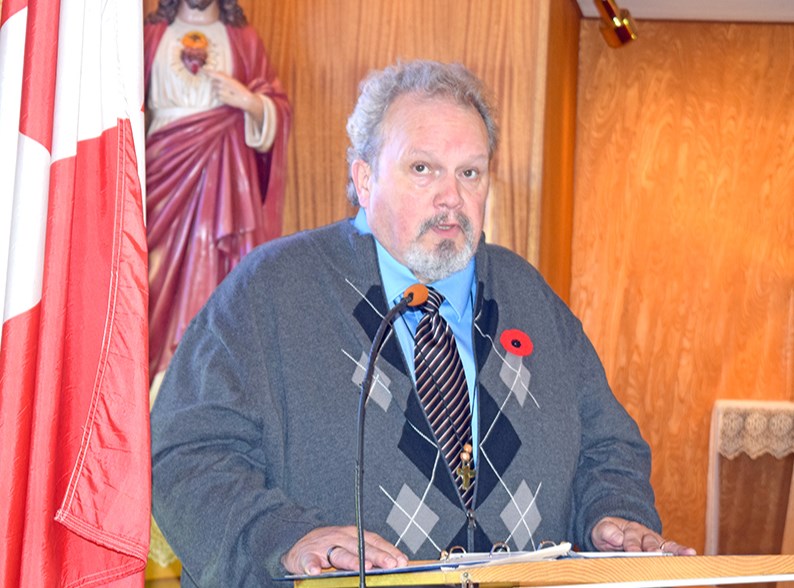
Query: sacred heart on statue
[[194, 51]]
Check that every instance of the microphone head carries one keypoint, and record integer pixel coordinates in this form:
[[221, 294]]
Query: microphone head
[[416, 294]]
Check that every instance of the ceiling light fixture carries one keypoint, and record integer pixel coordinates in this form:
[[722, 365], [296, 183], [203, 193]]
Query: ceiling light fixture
[[617, 26]]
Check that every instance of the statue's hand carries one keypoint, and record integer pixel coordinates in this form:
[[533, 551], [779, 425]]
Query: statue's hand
[[234, 93]]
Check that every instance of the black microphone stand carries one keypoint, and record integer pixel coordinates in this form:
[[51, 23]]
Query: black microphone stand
[[366, 386]]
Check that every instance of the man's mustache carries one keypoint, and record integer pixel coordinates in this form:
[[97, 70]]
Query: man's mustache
[[443, 218]]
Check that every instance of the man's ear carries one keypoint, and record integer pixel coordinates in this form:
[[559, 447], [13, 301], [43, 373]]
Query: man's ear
[[361, 173]]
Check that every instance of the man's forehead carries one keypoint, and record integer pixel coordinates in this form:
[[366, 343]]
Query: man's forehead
[[404, 104]]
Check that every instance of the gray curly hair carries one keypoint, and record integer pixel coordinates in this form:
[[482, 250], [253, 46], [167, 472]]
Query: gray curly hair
[[427, 78]]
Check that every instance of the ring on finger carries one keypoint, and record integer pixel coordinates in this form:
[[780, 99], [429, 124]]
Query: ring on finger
[[662, 544], [330, 552]]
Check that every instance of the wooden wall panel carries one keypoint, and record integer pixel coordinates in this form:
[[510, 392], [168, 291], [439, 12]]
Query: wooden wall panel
[[683, 249], [559, 122], [337, 42], [322, 49], [751, 521]]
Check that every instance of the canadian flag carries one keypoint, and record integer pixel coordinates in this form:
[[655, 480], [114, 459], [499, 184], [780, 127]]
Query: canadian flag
[[74, 431]]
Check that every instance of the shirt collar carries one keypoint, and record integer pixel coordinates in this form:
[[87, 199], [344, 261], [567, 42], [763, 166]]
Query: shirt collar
[[456, 289]]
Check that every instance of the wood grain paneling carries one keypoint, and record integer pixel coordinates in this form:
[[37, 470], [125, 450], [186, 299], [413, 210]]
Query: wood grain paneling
[[683, 249], [323, 48], [559, 121], [751, 521]]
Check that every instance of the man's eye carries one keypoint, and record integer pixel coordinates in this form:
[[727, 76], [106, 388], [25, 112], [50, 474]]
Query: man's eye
[[421, 168], [471, 174]]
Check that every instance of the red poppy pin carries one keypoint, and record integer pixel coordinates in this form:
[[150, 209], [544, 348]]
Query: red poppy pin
[[516, 342]]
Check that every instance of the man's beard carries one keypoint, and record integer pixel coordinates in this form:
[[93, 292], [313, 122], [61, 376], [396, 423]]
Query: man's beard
[[446, 258], [198, 4]]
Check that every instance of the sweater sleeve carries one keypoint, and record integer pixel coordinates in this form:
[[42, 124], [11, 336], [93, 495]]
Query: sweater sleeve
[[217, 451], [613, 474]]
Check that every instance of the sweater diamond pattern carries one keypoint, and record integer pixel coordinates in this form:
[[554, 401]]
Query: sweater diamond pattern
[[521, 516], [412, 520]]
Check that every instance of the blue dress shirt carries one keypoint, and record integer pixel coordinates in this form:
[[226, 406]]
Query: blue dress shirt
[[457, 309]]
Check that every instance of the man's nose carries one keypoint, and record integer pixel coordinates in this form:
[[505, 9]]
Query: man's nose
[[450, 192]]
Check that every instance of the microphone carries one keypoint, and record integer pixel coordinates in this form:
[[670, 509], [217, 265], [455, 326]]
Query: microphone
[[414, 295]]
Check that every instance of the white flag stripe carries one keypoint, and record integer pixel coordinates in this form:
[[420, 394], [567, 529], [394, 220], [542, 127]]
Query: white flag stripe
[[94, 90], [68, 80], [12, 48], [127, 45], [129, 49], [91, 85], [28, 226]]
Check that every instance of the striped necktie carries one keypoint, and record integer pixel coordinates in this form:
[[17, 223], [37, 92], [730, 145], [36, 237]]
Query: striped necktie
[[441, 384]]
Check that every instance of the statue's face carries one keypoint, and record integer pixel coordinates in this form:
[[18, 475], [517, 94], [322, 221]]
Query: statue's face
[[199, 4]]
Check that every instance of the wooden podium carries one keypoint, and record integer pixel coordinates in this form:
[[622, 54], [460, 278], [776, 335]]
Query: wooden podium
[[637, 572]]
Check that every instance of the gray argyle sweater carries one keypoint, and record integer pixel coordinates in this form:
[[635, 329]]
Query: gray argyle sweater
[[254, 429]]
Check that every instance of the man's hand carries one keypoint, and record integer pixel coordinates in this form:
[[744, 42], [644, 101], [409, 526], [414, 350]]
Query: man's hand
[[616, 534], [337, 547]]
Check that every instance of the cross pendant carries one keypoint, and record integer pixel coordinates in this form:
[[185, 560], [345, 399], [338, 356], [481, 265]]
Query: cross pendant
[[466, 472]]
